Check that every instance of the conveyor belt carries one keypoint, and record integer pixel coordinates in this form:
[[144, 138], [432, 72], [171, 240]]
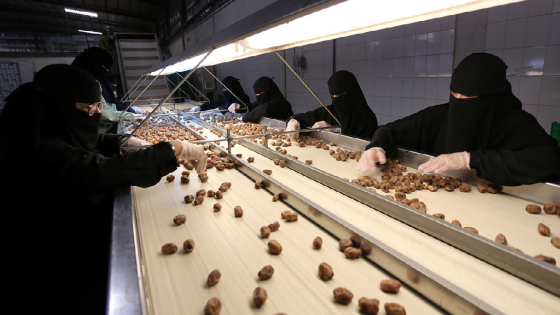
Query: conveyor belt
[[508, 294], [470, 206]]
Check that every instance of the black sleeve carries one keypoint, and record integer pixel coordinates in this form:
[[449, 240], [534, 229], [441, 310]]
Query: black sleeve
[[255, 114], [406, 132], [143, 168], [308, 119], [251, 106], [211, 105], [526, 155], [108, 143]]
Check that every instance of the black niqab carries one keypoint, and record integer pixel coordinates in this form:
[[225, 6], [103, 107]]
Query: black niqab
[[270, 103], [351, 107], [235, 87], [470, 121], [267, 89], [93, 60], [46, 107]]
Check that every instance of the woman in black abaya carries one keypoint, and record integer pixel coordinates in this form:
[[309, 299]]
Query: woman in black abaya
[[483, 127], [349, 106], [97, 62], [270, 102], [229, 101], [59, 174]]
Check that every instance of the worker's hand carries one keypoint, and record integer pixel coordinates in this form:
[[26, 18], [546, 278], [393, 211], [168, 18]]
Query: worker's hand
[[193, 153], [320, 124], [293, 125], [137, 110], [446, 162], [194, 109], [369, 158], [233, 107], [135, 142]]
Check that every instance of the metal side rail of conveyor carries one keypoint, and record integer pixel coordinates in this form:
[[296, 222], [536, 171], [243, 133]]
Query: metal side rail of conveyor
[[536, 272]]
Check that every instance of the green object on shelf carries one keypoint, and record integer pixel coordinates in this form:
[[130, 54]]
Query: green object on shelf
[[555, 131]]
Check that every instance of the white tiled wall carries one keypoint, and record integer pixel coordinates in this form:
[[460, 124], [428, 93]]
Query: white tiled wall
[[408, 68], [526, 35]]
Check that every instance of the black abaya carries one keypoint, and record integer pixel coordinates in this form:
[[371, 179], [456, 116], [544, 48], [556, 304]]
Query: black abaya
[[270, 103]]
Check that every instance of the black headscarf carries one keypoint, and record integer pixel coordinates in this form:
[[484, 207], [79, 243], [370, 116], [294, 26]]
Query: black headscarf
[[470, 122], [351, 108], [234, 85], [46, 108], [93, 60], [270, 103]]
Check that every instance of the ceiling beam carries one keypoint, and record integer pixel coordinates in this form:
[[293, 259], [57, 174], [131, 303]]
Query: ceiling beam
[[98, 9], [77, 18], [158, 3]]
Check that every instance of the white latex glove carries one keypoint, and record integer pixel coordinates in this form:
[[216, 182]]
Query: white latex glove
[[233, 107], [446, 162], [135, 142], [195, 109], [193, 153], [137, 110], [320, 124], [293, 125], [369, 158]]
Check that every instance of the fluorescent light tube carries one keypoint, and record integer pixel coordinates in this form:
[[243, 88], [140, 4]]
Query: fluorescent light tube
[[90, 14], [91, 32]]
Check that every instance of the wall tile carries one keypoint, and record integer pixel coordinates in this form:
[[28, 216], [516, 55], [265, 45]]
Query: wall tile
[[408, 67], [554, 36], [546, 115], [406, 106], [434, 43], [388, 48], [386, 105], [540, 7], [496, 52], [421, 44], [431, 89], [496, 35], [396, 86], [378, 68], [447, 42], [398, 67], [387, 85], [398, 47], [433, 25], [362, 70], [387, 68], [513, 59], [497, 14], [378, 87], [378, 51], [409, 45], [396, 106], [445, 65], [550, 94], [432, 66], [514, 81], [398, 31], [533, 60], [531, 109], [377, 104], [529, 90], [419, 87], [443, 88], [448, 22], [552, 60], [556, 6], [407, 87], [537, 30], [417, 105], [420, 66], [360, 51], [518, 10], [370, 47], [515, 33]]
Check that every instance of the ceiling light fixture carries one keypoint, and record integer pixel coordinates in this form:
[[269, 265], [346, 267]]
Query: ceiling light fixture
[[91, 32], [327, 21], [90, 14]]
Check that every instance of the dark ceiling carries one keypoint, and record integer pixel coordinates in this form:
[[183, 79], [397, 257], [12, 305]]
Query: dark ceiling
[[47, 17]]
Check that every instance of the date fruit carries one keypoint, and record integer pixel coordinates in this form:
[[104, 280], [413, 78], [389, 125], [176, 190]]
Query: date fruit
[[259, 296], [267, 172], [291, 217], [352, 253], [533, 209], [551, 208], [169, 249], [274, 247], [555, 241], [501, 238], [439, 216], [344, 243], [170, 178], [188, 245], [185, 179], [394, 309], [368, 306], [543, 230], [238, 211], [317, 243], [546, 259], [274, 226], [468, 228], [325, 272], [213, 278], [180, 219], [342, 296], [217, 207], [391, 286], [266, 272], [265, 231], [213, 307], [189, 198]]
